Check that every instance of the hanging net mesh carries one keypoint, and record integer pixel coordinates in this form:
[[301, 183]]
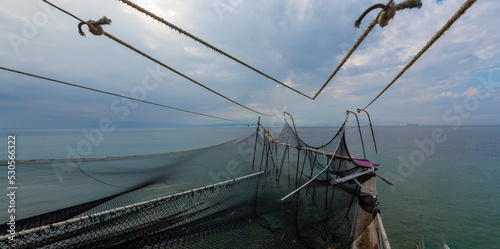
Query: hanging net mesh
[[225, 196]]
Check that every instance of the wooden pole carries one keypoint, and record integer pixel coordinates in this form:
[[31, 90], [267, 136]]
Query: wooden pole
[[359, 129], [267, 157], [312, 170], [334, 186], [371, 127], [303, 164], [326, 188], [255, 146], [262, 156], [272, 157], [288, 167], [297, 174], [331, 200], [282, 161], [293, 122], [350, 204], [385, 180]]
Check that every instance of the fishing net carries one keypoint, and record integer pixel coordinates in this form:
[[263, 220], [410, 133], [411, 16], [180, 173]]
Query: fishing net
[[260, 192]]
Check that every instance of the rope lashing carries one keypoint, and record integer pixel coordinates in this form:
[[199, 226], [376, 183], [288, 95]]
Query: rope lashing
[[389, 11], [94, 26], [375, 6], [387, 14]]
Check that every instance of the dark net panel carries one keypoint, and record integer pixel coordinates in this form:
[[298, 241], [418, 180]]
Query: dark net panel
[[178, 220], [88, 187], [321, 215]]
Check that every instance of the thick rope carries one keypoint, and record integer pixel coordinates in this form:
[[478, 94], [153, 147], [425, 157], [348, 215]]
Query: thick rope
[[382, 19], [354, 47], [51, 4], [118, 95], [181, 31], [179, 73], [92, 26], [450, 22]]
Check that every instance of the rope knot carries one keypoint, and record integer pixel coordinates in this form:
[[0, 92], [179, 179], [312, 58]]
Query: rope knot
[[386, 15], [388, 12], [94, 26]]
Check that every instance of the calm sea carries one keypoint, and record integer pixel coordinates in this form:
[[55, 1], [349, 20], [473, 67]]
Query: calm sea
[[446, 180]]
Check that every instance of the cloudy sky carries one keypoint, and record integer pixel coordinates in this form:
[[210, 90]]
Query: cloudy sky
[[298, 42]]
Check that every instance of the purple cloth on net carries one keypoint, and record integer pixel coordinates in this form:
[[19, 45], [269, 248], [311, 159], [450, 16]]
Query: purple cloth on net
[[363, 163]]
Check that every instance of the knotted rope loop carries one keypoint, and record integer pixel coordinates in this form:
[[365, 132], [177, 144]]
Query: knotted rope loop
[[375, 6], [386, 15], [388, 12], [94, 26]]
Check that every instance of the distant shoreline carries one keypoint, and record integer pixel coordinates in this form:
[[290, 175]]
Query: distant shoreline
[[10, 130]]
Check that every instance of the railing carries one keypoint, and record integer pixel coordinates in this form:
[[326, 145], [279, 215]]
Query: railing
[[383, 241]]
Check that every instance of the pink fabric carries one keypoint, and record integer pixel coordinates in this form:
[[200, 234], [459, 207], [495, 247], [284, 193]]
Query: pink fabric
[[363, 163]]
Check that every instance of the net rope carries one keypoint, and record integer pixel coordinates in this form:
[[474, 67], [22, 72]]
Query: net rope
[[181, 31]]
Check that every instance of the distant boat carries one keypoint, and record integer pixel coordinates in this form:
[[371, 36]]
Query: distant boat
[[412, 125], [446, 246]]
